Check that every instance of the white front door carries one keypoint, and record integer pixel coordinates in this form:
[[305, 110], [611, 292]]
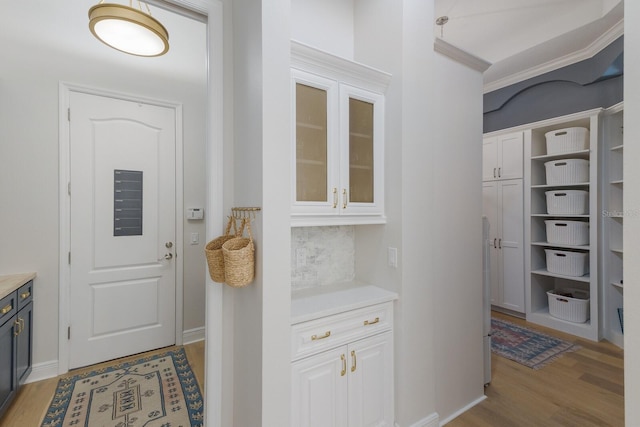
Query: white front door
[[122, 228]]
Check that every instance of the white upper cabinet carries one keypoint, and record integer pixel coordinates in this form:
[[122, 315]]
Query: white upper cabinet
[[502, 157], [338, 140]]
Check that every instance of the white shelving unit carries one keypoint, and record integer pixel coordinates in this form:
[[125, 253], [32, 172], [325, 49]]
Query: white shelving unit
[[538, 280], [612, 223]]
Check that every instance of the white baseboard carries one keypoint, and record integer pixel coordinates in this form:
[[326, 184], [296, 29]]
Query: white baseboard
[[193, 335], [46, 370], [428, 421], [462, 410], [43, 371]]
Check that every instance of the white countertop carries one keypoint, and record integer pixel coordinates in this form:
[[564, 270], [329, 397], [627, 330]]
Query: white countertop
[[321, 301], [9, 283]]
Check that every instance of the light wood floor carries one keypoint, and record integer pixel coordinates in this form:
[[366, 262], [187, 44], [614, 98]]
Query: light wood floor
[[29, 406], [580, 389]]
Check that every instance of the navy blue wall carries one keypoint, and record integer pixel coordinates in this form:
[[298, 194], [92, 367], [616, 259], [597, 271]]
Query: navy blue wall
[[592, 83]]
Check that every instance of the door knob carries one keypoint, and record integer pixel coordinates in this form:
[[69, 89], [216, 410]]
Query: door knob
[[168, 256]]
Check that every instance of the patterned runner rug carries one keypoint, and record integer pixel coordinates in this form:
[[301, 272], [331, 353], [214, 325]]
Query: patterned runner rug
[[530, 348], [154, 391]]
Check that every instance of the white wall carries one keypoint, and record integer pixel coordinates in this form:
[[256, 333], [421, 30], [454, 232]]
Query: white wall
[[324, 24], [632, 221], [261, 163], [433, 206], [31, 71], [457, 231]]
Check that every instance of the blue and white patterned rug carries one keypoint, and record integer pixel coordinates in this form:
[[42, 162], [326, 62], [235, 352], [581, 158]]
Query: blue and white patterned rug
[[158, 390], [530, 348]]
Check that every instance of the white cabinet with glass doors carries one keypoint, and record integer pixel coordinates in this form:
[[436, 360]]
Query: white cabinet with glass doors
[[338, 140]]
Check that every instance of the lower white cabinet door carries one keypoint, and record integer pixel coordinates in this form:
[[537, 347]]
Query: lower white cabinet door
[[371, 382], [351, 385], [319, 390]]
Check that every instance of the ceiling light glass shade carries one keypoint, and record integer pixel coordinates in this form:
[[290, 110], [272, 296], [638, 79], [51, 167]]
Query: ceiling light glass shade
[[128, 30]]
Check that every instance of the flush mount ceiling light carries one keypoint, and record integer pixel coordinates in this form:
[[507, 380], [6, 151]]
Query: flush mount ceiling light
[[128, 29]]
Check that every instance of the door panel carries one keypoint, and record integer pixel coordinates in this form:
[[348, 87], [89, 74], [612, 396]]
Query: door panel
[[371, 382], [512, 200], [122, 209], [489, 159], [510, 156], [490, 210], [319, 390]]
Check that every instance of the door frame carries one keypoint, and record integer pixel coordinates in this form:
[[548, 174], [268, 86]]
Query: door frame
[[65, 89]]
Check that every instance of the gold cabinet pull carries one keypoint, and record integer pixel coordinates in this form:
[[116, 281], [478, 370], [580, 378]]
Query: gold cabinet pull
[[25, 295], [344, 198], [371, 322], [354, 362], [321, 337], [18, 327], [6, 309], [335, 197], [344, 365]]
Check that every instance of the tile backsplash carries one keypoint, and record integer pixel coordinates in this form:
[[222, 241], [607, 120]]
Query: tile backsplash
[[321, 256]]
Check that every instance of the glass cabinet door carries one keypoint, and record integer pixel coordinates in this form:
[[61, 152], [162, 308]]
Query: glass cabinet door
[[311, 144], [316, 170], [360, 151], [362, 145]]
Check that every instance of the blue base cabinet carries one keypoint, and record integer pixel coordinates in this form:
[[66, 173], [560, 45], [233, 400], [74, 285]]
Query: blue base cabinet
[[16, 342]]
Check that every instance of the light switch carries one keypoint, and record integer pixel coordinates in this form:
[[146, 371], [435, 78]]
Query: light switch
[[392, 255], [195, 238]]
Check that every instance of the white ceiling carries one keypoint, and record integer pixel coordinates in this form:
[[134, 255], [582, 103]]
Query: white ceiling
[[63, 26], [517, 36]]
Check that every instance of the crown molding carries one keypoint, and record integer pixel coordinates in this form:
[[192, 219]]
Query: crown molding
[[331, 66], [459, 55], [591, 50]]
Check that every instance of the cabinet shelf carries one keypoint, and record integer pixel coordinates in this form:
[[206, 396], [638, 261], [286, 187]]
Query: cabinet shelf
[[312, 126], [542, 317], [617, 285], [581, 154], [311, 162], [555, 245], [543, 272], [617, 182], [363, 167], [616, 250], [617, 148], [361, 135], [578, 185], [541, 215]]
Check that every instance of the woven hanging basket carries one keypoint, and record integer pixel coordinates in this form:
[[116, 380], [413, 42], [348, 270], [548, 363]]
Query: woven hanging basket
[[239, 259], [213, 252]]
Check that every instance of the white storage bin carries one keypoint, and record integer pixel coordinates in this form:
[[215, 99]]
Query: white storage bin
[[569, 304], [567, 263], [567, 232], [567, 140], [567, 171], [567, 202]]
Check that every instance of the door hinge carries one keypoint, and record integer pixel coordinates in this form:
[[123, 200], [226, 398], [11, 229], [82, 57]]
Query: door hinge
[[69, 114], [69, 187], [69, 258], [69, 332]]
